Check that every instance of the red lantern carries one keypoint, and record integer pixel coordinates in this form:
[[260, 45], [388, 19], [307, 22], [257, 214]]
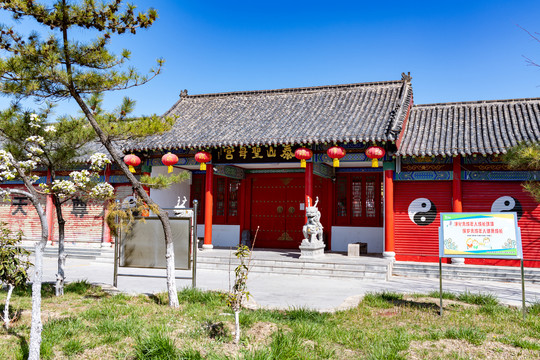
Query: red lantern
[[203, 157], [303, 154], [336, 153], [132, 161], [169, 159], [375, 153]]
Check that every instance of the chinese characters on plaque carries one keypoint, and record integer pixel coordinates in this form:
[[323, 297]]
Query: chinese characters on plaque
[[253, 154], [19, 202], [79, 208]]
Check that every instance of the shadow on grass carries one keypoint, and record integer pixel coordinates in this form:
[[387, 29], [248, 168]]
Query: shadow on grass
[[388, 300], [159, 298], [47, 290], [23, 343]]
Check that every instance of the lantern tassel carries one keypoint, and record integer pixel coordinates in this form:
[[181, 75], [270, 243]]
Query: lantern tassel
[[302, 163], [374, 163], [131, 168], [335, 163], [169, 169], [203, 166]]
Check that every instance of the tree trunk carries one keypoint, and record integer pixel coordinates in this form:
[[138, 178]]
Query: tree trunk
[[162, 215], [117, 157], [237, 327], [60, 276], [6, 308], [36, 325]]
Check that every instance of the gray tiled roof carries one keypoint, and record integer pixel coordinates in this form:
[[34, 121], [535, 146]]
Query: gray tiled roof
[[482, 127], [91, 148], [353, 112]]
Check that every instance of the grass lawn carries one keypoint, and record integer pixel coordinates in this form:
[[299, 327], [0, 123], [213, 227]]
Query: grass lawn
[[88, 323]]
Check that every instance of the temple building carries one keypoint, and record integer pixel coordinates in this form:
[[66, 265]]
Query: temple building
[[432, 158]]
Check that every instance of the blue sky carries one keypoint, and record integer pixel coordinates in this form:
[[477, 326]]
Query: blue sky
[[455, 50]]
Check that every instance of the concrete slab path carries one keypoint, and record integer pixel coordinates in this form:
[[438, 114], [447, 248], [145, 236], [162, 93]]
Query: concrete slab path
[[284, 291]]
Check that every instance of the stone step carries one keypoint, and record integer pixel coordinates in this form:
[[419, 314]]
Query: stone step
[[466, 272], [78, 252], [360, 274], [283, 263], [346, 268]]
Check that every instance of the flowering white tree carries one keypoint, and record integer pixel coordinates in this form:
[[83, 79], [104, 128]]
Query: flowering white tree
[[54, 146], [79, 181]]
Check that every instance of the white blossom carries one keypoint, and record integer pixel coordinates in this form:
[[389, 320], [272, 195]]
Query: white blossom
[[28, 164], [5, 195], [35, 150], [102, 190], [81, 178], [50, 128], [63, 187], [35, 121], [36, 139], [98, 161]]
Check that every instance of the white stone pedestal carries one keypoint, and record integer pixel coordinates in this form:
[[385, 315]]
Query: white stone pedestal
[[310, 250], [389, 255]]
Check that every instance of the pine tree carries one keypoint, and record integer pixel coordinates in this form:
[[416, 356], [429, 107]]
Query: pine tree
[[58, 67]]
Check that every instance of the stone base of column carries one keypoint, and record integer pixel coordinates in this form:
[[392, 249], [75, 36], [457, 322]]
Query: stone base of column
[[207, 246], [310, 250], [389, 255], [457, 261]]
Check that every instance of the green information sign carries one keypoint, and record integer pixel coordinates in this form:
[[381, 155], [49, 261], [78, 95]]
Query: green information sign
[[480, 235]]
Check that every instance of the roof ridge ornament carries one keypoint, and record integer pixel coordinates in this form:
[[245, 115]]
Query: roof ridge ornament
[[183, 93], [406, 77]]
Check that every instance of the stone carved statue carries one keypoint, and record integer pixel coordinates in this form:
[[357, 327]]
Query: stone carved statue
[[313, 230], [181, 207], [312, 246]]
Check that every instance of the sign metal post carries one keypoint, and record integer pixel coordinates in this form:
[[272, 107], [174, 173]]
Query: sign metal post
[[195, 241], [481, 236], [440, 285]]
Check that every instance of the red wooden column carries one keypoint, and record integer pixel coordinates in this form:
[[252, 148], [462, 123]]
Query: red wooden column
[[389, 239], [309, 185], [49, 210], [457, 204], [107, 238], [208, 207]]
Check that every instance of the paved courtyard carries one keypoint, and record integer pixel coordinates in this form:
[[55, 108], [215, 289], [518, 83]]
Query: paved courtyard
[[283, 291]]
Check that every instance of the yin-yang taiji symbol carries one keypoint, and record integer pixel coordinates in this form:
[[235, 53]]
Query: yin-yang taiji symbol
[[507, 204], [422, 211]]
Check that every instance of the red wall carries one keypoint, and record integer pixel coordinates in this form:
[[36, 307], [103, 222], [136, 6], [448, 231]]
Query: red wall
[[421, 243], [79, 229], [29, 223], [480, 196], [414, 242]]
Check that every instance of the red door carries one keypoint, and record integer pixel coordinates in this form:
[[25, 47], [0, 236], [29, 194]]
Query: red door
[[275, 209]]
